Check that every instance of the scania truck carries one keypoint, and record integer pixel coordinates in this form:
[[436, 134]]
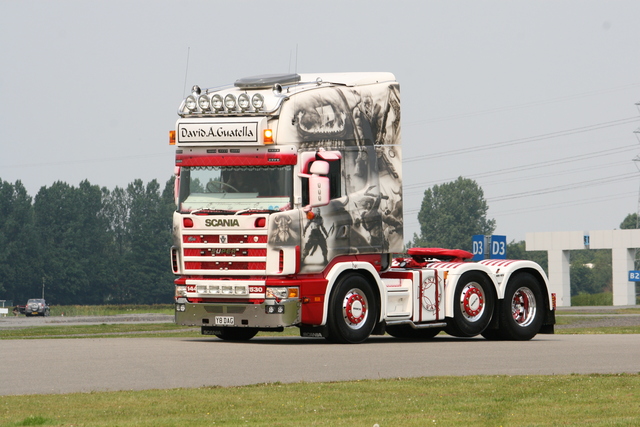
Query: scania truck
[[288, 190]]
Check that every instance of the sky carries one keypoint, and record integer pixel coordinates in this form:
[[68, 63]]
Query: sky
[[536, 101]]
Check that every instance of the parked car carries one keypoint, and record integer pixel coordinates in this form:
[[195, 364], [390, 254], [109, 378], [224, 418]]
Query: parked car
[[36, 307]]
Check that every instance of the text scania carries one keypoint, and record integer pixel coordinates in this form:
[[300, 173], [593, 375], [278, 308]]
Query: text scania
[[220, 132], [221, 223]]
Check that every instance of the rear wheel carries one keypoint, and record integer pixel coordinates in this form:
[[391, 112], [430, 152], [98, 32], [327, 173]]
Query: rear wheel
[[522, 308], [352, 310], [406, 331], [472, 305], [492, 334], [231, 334]]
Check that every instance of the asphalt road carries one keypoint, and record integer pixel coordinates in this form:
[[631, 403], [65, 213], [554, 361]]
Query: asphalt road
[[43, 366]]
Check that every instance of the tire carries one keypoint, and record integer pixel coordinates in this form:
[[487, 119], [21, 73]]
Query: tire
[[522, 309], [353, 310], [473, 304], [407, 332], [234, 334], [491, 334]]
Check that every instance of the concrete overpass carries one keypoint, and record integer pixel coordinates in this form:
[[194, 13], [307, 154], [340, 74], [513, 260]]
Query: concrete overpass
[[558, 245]]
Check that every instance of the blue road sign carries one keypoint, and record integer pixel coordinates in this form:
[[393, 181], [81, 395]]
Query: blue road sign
[[498, 247], [634, 276], [478, 247]]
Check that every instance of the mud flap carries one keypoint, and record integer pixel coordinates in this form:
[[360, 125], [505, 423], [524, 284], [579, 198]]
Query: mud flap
[[314, 331], [379, 329]]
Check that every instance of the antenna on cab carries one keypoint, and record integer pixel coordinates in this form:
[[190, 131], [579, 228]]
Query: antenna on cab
[[186, 71]]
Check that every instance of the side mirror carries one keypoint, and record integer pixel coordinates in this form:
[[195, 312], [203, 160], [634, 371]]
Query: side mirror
[[319, 194], [319, 184]]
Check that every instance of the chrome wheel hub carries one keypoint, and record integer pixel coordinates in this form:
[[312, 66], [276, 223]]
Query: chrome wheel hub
[[355, 308], [523, 307], [472, 301]]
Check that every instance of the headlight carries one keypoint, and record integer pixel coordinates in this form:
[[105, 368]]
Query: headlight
[[277, 293], [204, 103], [216, 102], [181, 291], [282, 293], [230, 102], [190, 103], [257, 101]]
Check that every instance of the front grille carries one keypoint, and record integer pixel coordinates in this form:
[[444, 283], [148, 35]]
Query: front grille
[[225, 265], [232, 254], [218, 252]]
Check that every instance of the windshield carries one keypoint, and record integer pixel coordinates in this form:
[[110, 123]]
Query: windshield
[[227, 189]]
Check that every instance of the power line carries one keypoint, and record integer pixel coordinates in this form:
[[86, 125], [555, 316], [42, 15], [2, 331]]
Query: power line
[[573, 186], [591, 200], [560, 173], [519, 141], [525, 105], [545, 163], [414, 221]]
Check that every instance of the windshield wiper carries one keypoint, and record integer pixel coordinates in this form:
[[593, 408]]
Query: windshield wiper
[[207, 211], [255, 210]]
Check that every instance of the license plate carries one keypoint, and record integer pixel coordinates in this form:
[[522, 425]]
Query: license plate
[[224, 321]]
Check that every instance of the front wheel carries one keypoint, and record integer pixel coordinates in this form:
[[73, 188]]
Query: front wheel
[[353, 310], [522, 309], [472, 305]]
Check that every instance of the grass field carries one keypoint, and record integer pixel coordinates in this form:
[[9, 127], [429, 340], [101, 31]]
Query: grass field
[[591, 400], [109, 310]]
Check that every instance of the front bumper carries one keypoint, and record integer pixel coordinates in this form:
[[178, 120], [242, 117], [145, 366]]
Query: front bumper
[[268, 315]]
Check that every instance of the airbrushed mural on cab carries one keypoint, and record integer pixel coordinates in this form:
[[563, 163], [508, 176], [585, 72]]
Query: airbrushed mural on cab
[[366, 215]]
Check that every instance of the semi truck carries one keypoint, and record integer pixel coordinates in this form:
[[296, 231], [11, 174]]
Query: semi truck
[[288, 192]]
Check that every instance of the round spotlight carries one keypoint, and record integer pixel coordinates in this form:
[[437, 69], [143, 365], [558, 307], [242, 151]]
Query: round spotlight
[[190, 103], [243, 101], [257, 101], [230, 102], [216, 102], [204, 103]]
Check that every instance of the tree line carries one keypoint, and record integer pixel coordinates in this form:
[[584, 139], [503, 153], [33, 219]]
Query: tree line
[[86, 244], [92, 245]]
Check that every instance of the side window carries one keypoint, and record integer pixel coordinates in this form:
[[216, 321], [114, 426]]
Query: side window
[[335, 182], [335, 179]]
